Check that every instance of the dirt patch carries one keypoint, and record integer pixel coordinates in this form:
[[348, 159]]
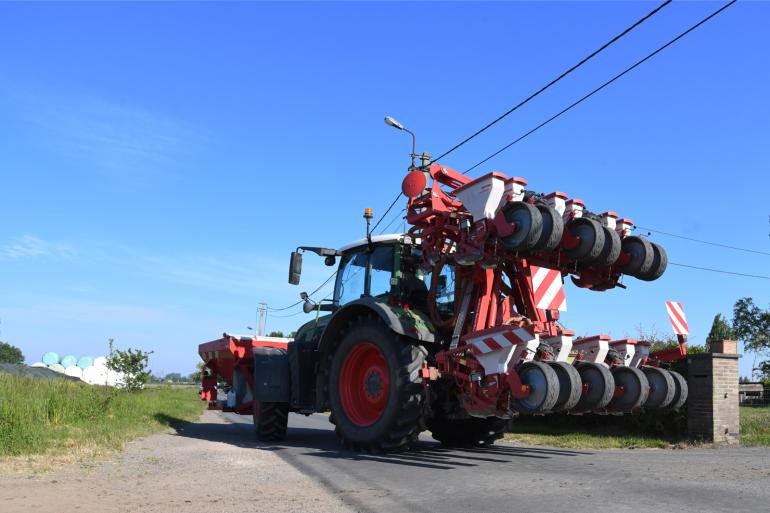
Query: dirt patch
[[196, 469]]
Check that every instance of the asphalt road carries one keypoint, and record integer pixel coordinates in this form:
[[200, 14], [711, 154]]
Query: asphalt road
[[511, 477]]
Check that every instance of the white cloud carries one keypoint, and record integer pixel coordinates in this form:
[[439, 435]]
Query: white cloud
[[29, 246]]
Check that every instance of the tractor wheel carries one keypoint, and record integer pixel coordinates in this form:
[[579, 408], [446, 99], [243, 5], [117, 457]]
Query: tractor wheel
[[376, 393], [662, 388], [611, 250], [635, 386], [270, 420], [591, 239], [641, 253], [470, 432], [600, 386], [553, 229], [659, 264], [529, 226], [680, 391], [543, 388], [570, 385]]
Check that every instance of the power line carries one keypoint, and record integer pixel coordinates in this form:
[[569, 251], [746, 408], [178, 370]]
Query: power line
[[702, 241], [396, 218], [386, 212], [301, 300], [552, 82], [720, 271], [610, 81]]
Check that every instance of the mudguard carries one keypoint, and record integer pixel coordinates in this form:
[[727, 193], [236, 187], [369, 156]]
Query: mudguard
[[407, 322]]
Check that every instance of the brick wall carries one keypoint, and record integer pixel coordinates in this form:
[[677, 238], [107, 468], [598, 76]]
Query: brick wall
[[712, 406]]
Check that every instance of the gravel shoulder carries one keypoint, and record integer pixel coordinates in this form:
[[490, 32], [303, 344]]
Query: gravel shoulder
[[200, 469]]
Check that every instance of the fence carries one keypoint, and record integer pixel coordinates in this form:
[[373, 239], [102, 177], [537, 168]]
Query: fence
[[753, 394]]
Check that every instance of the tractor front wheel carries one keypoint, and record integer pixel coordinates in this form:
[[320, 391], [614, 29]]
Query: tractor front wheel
[[270, 420], [376, 393]]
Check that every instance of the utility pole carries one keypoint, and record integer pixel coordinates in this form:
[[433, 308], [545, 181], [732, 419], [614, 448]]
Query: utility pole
[[262, 311]]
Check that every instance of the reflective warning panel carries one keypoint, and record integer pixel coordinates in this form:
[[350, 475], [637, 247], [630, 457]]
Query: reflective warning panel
[[677, 318]]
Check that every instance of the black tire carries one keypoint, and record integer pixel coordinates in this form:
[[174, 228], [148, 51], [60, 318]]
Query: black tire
[[544, 388], [611, 250], [662, 388], [270, 420], [471, 432], [659, 264], [636, 389], [400, 420], [570, 386], [641, 253], [681, 391], [529, 225], [591, 239], [601, 386], [553, 229]]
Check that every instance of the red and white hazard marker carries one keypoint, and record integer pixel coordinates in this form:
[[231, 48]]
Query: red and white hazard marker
[[548, 288], [677, 318]]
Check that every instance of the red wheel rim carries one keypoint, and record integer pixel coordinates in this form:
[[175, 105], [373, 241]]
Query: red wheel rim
[[364, 384]]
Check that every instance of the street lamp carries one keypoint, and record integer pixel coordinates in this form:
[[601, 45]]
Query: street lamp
[[395, 124]]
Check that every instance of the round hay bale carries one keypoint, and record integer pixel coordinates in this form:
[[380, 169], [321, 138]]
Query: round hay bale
[[100, 361], [85, 362], [69, 361], [95, 376], [74, 371], [50, 358], [57, 367], [39, 364]]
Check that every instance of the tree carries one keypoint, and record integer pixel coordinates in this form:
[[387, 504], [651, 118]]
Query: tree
[[10, 354], [132, 363], [751, 325], [173, 377], [720, 330], [275, 334]]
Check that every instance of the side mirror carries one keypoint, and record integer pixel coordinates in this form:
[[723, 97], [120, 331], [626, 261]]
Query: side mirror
[[309, 305], [295, 267]]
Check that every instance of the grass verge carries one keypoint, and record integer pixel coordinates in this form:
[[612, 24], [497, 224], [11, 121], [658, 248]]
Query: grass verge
[[75, 420], [755, 425], [606, 432]]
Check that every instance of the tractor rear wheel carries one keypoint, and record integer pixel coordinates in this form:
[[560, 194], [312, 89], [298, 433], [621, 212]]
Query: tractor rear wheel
[[270, 420], [570, 385], [635, 386], [599, 386], [662, 388], [543, 388], [680, 391], [471, 432], [376, 393]]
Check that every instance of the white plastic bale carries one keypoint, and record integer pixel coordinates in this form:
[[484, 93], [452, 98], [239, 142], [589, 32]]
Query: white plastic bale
[[100, 361], [57, 367], [39, 364], [74, 371], [95, 376]]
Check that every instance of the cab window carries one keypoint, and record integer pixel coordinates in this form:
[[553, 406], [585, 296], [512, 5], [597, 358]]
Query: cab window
[[361, 266]]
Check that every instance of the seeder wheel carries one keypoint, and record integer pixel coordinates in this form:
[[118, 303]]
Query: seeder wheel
[[611, 250], [659, 264], [600, 386], [570, 385], [529, 225], [662, 388], [591, 238], [641, 256], [635, 387], [553, 229], [543, 388], [680, 391]]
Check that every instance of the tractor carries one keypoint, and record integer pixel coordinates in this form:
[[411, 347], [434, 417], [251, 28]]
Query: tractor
[[453, 326]]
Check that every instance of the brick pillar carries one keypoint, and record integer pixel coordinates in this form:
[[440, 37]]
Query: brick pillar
[[712, 406]]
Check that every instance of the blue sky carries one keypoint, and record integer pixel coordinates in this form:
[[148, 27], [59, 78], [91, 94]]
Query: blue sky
[[158, 162]]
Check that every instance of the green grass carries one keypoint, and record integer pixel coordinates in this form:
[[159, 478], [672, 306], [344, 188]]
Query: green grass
[[596, 432], [65, 418], [755, 425], [583, 433]]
